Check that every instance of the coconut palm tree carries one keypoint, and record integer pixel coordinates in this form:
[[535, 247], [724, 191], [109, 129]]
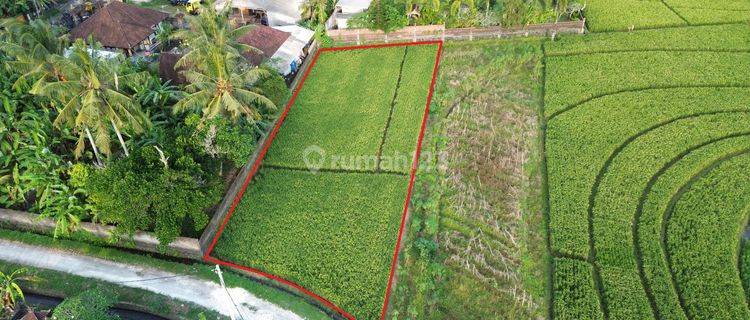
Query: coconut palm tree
[[91, 100], [10, 291], [221, 80], [33, 47], [210, 29], [222, 87], [315, 11]]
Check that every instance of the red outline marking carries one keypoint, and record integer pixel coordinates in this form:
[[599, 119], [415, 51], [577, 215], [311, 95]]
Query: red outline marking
[[415, 162]]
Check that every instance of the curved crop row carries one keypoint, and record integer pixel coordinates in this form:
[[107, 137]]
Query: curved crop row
[[734, 37], [616, 199], [567, 85], [579, 142], [654, 200], [611, 15], [708, 16], [711, 5], [707, 217]]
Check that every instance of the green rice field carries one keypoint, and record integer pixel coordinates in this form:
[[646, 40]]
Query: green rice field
[[647, 138], [330, 222]]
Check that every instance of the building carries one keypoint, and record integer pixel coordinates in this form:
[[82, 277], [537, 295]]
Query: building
[[346, 9], [119, 26], [265, 12], [282, 47]]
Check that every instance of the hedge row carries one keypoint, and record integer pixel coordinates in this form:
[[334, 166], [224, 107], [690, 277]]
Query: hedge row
[[618, 194], [575, 296], [733, 37], [579, 142], [652, 206], [606, 73], [333, 233], [342, 108], [703, 237]]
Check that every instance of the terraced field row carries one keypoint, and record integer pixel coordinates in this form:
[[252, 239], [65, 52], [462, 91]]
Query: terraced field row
[[645, 150], [325, 208], [618, 15]]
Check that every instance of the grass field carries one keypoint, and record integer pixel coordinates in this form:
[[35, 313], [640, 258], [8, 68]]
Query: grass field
[[618, 15], [646, 142], [333, 231]]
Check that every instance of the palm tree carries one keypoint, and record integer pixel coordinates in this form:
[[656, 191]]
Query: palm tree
[[210, 29], [222, 88], [220, 78], [9, 289], [33, 47], [314, 11], [89, 93]]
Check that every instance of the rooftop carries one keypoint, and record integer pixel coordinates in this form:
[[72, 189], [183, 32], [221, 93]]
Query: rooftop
[[119, 25]]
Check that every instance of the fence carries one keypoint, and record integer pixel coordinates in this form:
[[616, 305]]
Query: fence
[[439, 32]]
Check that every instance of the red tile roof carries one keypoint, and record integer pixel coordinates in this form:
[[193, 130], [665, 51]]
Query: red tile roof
[[266, 39]]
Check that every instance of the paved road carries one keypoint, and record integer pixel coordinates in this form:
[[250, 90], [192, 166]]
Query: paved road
[[186, 288]]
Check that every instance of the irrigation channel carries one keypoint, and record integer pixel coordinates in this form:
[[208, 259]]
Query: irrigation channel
[[48, 302]]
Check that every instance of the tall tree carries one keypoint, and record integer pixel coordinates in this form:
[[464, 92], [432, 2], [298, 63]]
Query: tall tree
[[210, 29], [91, 100], [220, 80], [222, 88], [34, 47]]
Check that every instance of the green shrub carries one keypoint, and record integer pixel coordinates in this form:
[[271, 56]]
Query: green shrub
[[93, 304], [141, 192]]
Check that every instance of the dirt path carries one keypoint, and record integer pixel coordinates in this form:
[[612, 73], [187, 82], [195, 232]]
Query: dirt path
[[186, 288]]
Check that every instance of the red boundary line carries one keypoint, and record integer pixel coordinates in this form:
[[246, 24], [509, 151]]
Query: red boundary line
[[207, 256]]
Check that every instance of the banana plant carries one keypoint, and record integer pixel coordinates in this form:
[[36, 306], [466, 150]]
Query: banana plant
[[10, 291]]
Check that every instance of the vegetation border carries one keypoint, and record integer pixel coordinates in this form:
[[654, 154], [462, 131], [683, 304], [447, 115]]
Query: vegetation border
[[207, 255]]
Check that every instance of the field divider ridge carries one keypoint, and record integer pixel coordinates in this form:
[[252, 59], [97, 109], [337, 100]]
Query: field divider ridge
[[415, 164], [329, 170], [644, 88], [583, 53], [542, 121], [670, 27], [674, 11], [639, 212], [667, 215], [379, 155], [600, 176]]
